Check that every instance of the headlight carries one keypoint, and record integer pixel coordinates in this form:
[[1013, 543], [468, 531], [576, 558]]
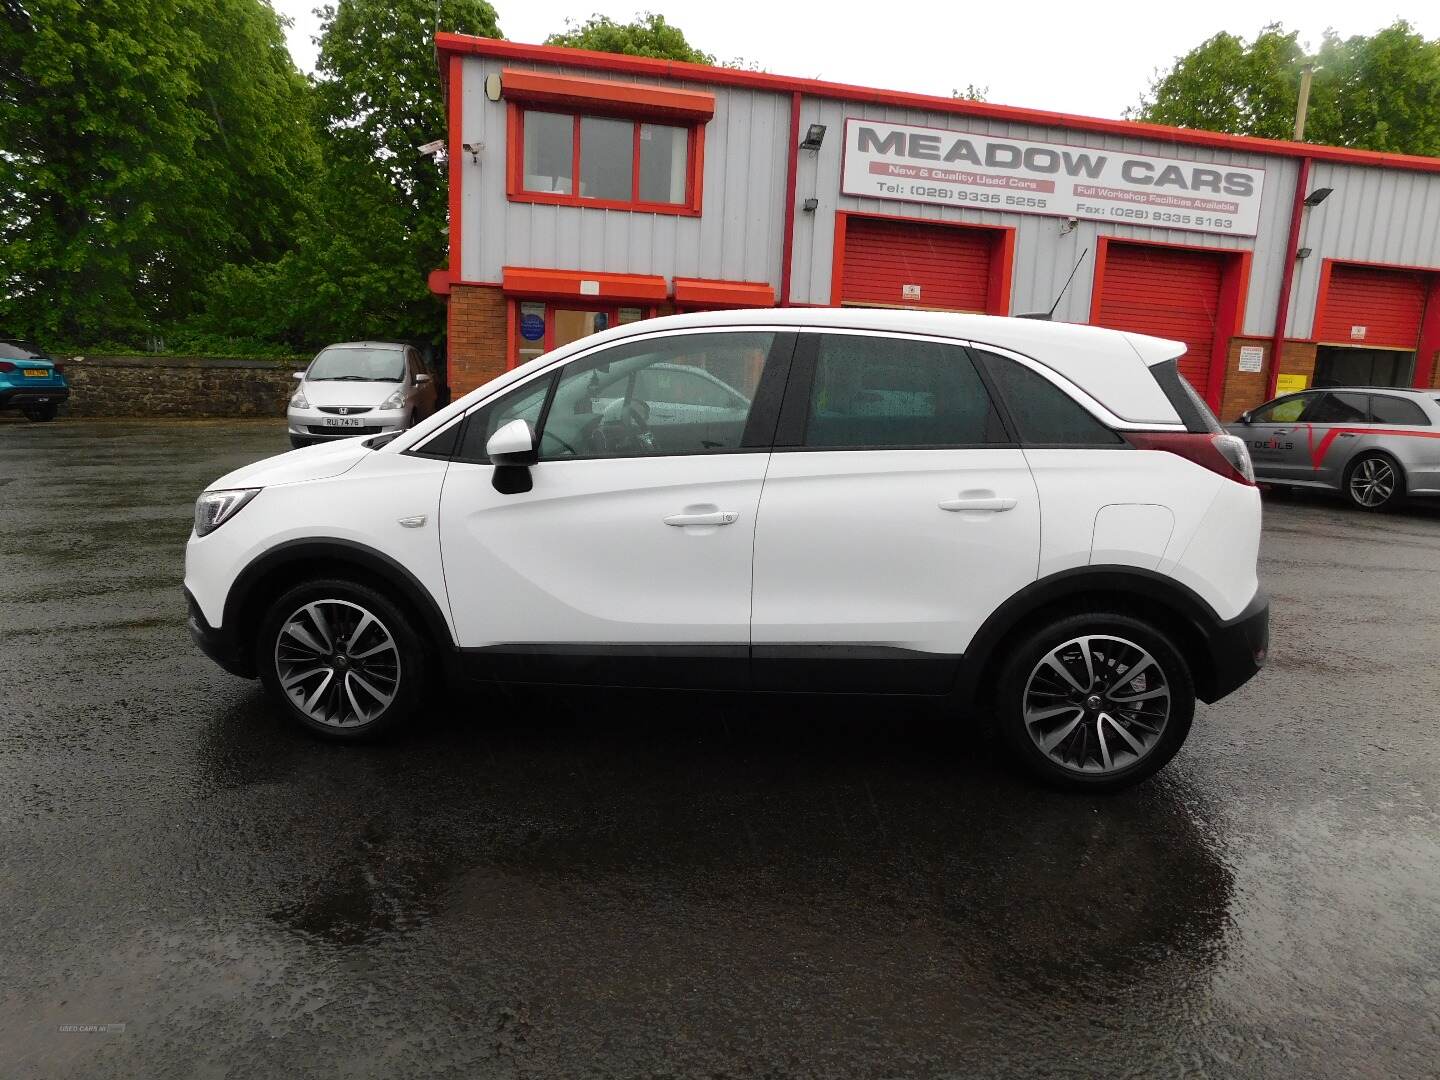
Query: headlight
[[214, 508], [394, 401], [297, 400]]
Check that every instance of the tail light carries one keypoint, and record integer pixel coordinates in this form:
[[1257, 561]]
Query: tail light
[[1219, 452], [6, 365], [59, 368]]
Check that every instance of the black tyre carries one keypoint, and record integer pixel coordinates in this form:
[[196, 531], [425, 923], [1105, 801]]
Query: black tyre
[[1094, 702], [41, 414], [297, 442], [342, 658], [1374, 481]]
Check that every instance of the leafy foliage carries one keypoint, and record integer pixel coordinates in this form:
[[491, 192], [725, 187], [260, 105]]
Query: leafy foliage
[[373, 224], [648, 34], [1380, 92], [143, 144]]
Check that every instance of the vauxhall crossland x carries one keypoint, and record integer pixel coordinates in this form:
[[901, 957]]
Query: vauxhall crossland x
[[1041, 525]]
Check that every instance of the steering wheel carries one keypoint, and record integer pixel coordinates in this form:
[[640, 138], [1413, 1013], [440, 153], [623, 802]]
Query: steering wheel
[[623, 427]]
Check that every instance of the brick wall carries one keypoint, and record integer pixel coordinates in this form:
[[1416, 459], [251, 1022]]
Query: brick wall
[[179, 386], [476, 336], [1246, 389]]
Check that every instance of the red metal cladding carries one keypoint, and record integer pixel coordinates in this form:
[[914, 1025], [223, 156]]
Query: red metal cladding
[[1388, 304], [951, 267], [1168, 293]]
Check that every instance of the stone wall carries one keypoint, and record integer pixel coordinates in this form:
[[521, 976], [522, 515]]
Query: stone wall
[[179, 386]]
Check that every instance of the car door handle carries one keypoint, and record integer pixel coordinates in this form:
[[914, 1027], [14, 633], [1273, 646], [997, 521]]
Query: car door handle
[[714, 517], [993, 503], [1347, 435]]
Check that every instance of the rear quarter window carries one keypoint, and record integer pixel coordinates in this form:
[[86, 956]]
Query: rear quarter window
[[1385, 409], [1042, 413]]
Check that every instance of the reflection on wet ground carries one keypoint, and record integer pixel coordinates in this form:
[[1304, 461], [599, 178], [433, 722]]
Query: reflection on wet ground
[[678, 885]]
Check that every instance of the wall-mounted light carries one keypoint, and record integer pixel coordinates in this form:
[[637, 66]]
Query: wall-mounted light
[[1319, 195], [1302, 253], [810, 205], [814, 136], [493, 87]]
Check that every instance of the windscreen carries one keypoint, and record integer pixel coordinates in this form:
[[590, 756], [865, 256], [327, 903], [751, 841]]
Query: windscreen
[[1188, 404], [358, 365], [13, 350]]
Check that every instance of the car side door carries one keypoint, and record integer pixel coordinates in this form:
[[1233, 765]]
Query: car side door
[[1277, 440], [627, 559], [1332, 421], [897, 514]]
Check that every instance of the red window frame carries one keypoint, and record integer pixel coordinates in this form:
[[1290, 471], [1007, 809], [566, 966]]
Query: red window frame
[[515, 175], [513, 344]]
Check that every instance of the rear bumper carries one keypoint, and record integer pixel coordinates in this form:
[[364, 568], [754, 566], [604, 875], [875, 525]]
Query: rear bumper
[[218, 644], [13, 397], [1238, 649]]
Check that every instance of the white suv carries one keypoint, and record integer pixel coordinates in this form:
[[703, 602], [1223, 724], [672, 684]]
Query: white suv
[[1036, 522]]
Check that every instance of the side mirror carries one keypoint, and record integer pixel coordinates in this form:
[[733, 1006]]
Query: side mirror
[[512, 451], [421, 379], [297, 374], [1245, 417], [513, 444]]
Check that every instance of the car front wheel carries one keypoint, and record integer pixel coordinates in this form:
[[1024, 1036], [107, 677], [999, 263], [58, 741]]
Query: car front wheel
[[40, 414], [1374, 482], [345, 661], [1095, 702]]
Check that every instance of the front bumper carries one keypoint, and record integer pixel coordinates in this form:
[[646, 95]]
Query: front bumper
[[14, 397], [1238, 649], [218, 644], [311, 423]]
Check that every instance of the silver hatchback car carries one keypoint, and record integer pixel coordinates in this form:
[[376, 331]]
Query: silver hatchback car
[[360, 388], [1376, 445]]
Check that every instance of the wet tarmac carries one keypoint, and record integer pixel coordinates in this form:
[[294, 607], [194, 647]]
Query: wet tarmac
[[682, 886]]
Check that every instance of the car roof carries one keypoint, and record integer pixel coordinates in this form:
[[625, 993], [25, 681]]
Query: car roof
[[366, 345], [1104, 363], [1403, 391]]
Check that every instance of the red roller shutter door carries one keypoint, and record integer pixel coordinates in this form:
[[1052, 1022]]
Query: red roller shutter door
[[952, 266], [1389, 304], [1169, 293]]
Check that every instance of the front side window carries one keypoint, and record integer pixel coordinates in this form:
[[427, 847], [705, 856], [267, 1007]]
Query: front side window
[[605, 161], [1286, 410], [683, 394], [1044, 414], [879, 392]]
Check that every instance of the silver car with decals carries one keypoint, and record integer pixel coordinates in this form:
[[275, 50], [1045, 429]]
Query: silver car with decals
[[1376, 445]]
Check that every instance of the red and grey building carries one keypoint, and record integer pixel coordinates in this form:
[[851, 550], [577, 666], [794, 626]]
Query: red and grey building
[[588, 189]]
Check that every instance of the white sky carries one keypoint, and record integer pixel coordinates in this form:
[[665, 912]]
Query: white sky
[[1092, 59]]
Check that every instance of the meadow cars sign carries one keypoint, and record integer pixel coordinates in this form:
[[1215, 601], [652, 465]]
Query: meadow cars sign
[[956, 168]]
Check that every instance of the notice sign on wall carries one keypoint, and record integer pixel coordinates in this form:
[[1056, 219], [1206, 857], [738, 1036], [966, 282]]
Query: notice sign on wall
[[956, 168], [1252, 358]]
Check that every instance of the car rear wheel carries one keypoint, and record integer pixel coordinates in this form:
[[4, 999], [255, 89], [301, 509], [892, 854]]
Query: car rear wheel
[[41, 414], [1095, 702], [1375, 482], [345, 661]]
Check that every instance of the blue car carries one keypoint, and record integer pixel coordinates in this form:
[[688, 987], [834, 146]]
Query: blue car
[[30, 381]]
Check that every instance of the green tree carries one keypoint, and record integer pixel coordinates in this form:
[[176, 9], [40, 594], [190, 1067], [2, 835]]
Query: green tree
[[143, 144], [374, 222], [1379, 92], [647, 34]]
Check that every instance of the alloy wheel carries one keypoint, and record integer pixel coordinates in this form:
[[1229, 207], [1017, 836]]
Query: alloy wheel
[[1373, 482], [337, 663], [1097, 704]]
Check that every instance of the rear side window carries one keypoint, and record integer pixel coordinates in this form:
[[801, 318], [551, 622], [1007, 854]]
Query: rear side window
[[1043, 413], [1187, 403], [1385, 409], [1338, 408], [879, 392]]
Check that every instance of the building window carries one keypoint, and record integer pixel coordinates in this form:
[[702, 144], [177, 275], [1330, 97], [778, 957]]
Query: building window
[[539, 326], [606, 162]]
